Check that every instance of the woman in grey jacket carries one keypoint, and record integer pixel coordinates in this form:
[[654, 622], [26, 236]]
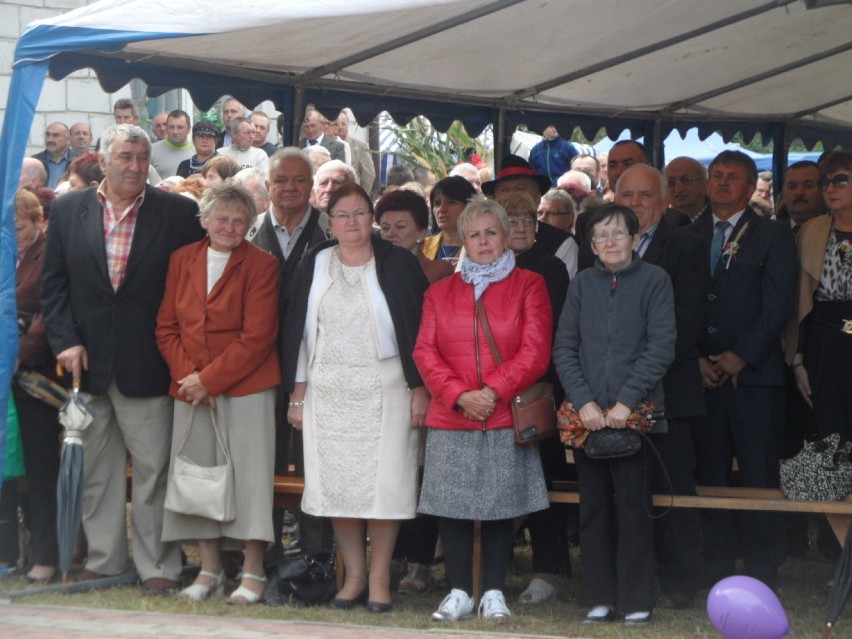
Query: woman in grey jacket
[[614, 342]]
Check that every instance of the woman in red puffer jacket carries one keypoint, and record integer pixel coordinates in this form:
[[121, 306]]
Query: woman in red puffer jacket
[[473, 468]]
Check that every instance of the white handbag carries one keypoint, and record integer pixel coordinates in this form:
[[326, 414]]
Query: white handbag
[[202, 491]]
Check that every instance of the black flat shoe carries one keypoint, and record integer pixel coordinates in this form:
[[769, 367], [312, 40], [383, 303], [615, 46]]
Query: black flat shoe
[[637, 619], [347, 604], [378, 607], [600, 614]]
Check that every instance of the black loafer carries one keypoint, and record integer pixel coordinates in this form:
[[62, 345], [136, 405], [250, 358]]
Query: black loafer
[[347, 604], [378, 607]]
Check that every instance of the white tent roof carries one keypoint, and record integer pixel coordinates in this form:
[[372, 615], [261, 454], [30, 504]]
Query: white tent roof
[[750, 61]]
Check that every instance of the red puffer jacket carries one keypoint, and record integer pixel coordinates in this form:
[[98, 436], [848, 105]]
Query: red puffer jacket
[[518, 309]]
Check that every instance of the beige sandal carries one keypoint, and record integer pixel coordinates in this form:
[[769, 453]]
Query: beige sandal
[[416, 581], [243, 596], [538, 592]]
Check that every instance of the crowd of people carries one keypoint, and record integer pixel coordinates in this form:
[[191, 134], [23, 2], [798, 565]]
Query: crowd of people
[[227, 301]]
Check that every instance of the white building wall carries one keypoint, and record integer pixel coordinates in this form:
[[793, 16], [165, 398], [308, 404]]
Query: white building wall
[[77, 98]]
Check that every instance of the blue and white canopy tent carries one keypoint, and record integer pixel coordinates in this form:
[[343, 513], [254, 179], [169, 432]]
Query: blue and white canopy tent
[[651, 66]]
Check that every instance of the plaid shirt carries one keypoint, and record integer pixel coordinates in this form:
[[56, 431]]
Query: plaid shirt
[[118, 234]]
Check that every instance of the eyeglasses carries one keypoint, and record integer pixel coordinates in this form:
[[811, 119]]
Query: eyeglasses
[[358, 215], [615, 236], [686, 180], [525, 221], [840, 181]]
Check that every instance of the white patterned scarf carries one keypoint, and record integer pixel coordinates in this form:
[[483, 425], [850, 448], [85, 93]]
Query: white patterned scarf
[[482, 275]]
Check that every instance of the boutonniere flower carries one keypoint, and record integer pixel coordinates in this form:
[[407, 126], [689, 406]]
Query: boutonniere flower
[[844, 248], [729, 253]]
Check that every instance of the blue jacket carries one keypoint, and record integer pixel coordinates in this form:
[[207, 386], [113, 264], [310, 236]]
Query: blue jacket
[[552, 158]]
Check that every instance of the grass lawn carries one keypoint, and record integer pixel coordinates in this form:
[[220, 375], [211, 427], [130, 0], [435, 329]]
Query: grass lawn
[[802, 592]]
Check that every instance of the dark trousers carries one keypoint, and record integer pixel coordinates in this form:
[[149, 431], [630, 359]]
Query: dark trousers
[[678, 533], [549, 527], [616, 535], [40, 432], [315, 533], [828, 359], [457, 539], [742, 423], [417, 540]]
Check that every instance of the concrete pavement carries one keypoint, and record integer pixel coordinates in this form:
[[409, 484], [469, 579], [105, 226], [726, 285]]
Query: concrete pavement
[[56, 622]]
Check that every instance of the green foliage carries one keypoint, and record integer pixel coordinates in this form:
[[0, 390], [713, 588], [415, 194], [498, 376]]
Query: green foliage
[[422, 145]]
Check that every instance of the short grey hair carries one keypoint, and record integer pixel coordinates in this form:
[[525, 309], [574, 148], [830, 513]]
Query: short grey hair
[[582, 175], [288, 153], [122, 133], [227, 192], [462, 168], [478, 206], [564, 199], [260, 175], [340, 166], [310, 151], [647, 168], [234, 126]]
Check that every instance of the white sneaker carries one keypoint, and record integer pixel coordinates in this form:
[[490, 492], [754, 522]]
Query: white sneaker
[[456, 605], [493, 605]]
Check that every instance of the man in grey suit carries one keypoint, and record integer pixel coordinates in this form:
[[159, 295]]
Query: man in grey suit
[[103, 279], [312, 128]]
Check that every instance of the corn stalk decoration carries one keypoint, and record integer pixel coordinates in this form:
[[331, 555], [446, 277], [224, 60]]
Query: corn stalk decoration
[[421, 145]]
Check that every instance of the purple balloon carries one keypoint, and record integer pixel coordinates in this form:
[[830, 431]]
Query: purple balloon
[[745, 608]]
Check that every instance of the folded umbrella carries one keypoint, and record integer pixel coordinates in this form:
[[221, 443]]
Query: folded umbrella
[[75, 417], [41, 387]]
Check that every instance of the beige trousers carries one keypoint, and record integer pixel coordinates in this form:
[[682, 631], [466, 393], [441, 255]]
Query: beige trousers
[[142, 427]]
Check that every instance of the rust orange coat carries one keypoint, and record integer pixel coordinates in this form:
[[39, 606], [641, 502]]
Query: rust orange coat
[[228, 336]]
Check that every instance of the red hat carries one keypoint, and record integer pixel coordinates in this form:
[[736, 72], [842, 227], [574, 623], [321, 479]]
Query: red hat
[[512, 168]]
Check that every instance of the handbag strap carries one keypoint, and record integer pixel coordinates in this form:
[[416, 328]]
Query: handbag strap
[[486, 328], [219, 437]]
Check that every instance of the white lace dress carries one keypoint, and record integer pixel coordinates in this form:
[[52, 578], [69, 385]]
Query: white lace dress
[[360, 450]]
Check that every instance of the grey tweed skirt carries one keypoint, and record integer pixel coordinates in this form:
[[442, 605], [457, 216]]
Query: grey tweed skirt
[[471, 474]]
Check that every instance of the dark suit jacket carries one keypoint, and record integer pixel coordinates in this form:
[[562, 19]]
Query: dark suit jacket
[[751, 297], [335, 147], [550, 238], [43, 155], [81, 307], [266, 239], [681, 255]]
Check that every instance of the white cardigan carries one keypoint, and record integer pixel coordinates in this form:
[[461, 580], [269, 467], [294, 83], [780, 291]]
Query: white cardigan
[[381, 323]]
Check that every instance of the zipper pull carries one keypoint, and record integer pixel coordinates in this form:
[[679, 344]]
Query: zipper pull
[[613, 283]]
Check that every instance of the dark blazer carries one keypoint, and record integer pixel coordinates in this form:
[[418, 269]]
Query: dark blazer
[[264, 237], [550, 238], [681, 255], [81, 307], [751, 297], [403, 283], [42, 156], [335, 147]]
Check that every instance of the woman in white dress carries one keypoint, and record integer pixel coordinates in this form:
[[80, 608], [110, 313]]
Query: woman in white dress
[[352, 316]]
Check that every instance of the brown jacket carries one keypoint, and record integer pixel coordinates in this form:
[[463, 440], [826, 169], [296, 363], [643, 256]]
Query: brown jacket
[[228, 336]]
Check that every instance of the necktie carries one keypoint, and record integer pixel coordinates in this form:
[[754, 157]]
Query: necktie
[[312, 142], [643, 243], [718, 244]]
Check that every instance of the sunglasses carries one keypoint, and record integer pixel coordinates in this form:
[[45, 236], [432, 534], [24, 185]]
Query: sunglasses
[[840, 181]]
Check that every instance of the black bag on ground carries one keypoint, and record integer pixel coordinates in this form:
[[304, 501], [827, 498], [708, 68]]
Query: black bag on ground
[[305, 580]]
